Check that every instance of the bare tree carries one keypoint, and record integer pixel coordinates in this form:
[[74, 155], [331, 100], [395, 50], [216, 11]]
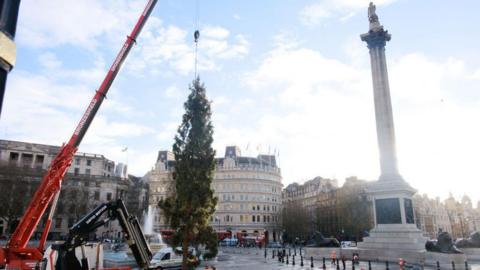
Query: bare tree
[[296, 221], [17, 191]]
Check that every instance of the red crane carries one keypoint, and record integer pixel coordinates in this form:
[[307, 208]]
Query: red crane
[[16, 254]]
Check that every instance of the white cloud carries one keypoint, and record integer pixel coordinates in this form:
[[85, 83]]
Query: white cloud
[[43, 110], [215, 32], [322, 10], [323, 118], [49, 23], [172, 92], [50, 61], [171, 45]]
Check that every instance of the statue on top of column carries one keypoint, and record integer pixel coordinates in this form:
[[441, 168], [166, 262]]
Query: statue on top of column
[[373, 17]]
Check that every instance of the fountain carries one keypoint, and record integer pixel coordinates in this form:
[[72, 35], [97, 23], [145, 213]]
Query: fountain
[[154, 239], [148, 221]]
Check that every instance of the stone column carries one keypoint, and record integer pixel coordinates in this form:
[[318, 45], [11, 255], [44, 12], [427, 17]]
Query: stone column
[[376, 39], [395, 234]]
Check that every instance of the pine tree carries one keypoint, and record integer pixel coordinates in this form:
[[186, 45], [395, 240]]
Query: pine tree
[[192, 204]]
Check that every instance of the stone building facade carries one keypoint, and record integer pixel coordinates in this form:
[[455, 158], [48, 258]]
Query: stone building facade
[[248, 190], [306, 197], [343, 212], [89, 182], [431, 215]]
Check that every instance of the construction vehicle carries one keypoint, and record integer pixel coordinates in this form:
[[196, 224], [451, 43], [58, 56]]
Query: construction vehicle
[[63, 256], [17, 254]]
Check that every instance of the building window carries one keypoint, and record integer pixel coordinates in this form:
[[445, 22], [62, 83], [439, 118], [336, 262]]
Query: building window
[[27, 160], [77, 161], [87, 171], [258, 218], [97, 195], [13, 158], [39, 161], [253, 218], [89, 162], [241, 218], [76, 171], [109, 196], [253, 207]]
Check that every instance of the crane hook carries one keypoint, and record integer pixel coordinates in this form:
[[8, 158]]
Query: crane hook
[[196, 35]]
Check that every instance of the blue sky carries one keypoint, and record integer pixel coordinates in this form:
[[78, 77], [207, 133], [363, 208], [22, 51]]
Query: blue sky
[[286, 77]]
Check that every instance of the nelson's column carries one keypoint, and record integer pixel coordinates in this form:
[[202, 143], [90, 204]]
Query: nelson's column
[[395, 234]]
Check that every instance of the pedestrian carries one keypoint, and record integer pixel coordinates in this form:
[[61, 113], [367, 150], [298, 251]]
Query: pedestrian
[[343, 261], [333, 257], [356, 259]]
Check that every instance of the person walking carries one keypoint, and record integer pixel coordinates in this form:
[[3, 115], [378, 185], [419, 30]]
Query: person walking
[[333, 257]]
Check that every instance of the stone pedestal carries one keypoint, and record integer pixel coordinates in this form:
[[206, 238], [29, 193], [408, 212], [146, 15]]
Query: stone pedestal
[[472, 254], [322, 252], [395, 234], [445, 260]]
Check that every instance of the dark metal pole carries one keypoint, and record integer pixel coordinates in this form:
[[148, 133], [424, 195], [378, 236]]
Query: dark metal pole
[[8, 27]]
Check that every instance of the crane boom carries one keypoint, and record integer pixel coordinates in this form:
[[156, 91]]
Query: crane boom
[[16, 253]]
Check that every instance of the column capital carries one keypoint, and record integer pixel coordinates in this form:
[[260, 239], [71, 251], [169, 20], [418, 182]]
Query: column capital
[[376, 38]]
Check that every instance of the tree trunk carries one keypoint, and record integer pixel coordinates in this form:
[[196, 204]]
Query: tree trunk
[[185, 251]]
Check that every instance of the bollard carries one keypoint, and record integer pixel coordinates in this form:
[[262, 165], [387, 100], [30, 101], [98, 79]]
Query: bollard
[[353, 264], [453, 265], [293, 260], [311, 261], [289, 253], [301, 260], [386, 264], [287, 258], [466, 265], [323, 265], [295, 251], [369, 265], [438, 265]]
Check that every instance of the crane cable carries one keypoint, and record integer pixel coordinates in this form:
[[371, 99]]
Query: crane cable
[[196, 36]]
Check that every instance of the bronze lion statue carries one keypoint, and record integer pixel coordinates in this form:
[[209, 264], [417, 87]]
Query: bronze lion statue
[[443, 244]]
